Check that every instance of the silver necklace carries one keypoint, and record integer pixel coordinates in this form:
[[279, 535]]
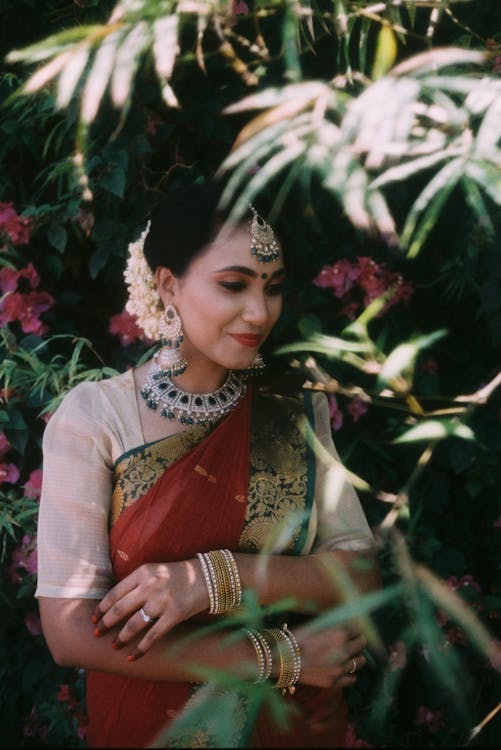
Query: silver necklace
[[190, 408]]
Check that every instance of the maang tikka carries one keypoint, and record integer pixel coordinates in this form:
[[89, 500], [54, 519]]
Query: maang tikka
[[169, 358], [264, 243]]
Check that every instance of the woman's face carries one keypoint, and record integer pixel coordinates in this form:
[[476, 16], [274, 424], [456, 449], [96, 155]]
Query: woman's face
[[228, 301]]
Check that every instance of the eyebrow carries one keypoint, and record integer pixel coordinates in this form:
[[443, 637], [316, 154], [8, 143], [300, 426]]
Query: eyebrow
[[249, 272]]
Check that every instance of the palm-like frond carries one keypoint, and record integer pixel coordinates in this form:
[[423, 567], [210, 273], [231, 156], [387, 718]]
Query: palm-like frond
[[416, 119]]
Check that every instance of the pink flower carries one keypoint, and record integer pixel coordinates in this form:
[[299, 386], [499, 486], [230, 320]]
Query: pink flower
[[351, 739], [65, 695], [340, 277], [125, 326], [356, 408], [8, 473], [26, 309], [239, 7], [350, 310], [455, 635], [33, 486], [456, 583], [33, 624], [4, 444], [15, 228], [9, 278], [433, 720], [34, 727], [24, 558], [335, 413]]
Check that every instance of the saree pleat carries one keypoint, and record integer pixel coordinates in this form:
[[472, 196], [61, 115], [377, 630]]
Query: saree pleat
[[227, 487]]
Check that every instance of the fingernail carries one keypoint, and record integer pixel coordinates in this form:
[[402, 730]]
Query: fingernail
[[94, 619], [117, 644], [134, 656], [97, 632]]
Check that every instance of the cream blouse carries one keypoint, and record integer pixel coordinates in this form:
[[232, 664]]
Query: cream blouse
[[96, 423]]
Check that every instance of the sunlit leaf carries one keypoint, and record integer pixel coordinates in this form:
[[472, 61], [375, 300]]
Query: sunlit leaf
[[165, 45], [487, 176], [386, 52], [329, 345], [127, 60], [70, 75], [99, 76], [434, 429], [432, 198], [46, 73], [403, 357]]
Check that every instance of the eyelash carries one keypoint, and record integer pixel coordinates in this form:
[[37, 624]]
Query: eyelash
[[238, 286]]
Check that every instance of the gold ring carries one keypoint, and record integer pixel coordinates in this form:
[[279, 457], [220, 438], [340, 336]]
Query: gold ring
[[145, 617], [354, 665]]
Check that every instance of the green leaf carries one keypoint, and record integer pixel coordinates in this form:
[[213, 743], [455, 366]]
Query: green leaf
[[57, 236], [114, 181], [403, 357], [127, 60], [99, 76], [435, 429], [386, 52], [70, 75]]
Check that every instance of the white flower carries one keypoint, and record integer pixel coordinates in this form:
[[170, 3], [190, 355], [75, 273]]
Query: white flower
[[144, 301]]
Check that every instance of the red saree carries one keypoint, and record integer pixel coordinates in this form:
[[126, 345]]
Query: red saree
[[195, 499]]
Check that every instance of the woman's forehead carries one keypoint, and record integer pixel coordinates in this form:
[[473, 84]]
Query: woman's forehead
[[233, 246]]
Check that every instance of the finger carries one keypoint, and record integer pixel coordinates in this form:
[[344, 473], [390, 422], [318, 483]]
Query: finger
[[356, 645], [125, 607], [152, 635], [113, 595], [354, 664], [134, 626]]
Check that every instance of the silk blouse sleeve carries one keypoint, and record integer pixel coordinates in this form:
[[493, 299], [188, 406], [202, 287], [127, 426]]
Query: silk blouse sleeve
[[340, 520], [73, 550]]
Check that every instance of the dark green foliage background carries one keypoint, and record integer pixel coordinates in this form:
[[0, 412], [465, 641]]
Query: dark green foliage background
[[79, 250]]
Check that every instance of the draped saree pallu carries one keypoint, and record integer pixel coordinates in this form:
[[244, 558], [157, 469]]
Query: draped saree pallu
[[227, 486]]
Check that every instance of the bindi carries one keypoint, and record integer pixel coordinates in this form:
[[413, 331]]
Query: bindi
[[264, 275]]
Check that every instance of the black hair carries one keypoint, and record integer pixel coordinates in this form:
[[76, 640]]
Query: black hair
[[183, 223]]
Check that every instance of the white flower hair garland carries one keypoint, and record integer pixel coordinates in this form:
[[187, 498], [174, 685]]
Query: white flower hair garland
[[144, 301]]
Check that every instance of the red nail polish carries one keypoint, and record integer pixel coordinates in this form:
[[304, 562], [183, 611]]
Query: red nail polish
[[131, 657], [93, 619], [97, 632], [117, 645]]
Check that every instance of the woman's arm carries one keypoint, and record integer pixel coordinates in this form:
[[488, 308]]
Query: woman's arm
[[174, 592], [68, 630]]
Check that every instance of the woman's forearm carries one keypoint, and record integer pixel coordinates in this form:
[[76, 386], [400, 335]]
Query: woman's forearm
[[326, 655], [69, 633], [320, 580]]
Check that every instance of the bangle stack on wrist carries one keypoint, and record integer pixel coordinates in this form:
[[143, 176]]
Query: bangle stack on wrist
[[288, 652], [263, 653], [222, 579]]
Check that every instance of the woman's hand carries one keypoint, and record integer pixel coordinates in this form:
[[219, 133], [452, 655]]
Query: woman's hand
[[331, 656], [155, 598]]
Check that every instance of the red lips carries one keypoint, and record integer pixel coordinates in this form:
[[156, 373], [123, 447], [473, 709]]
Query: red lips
[[247, 339]]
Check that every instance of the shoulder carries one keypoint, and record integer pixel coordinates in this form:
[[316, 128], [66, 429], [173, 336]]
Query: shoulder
[[292, 392], [87, 404]]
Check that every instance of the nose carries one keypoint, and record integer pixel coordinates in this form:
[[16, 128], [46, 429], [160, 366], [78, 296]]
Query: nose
[[256, 310]]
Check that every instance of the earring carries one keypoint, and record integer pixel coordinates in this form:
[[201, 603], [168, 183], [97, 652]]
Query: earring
[[169, 357], [256, 367]]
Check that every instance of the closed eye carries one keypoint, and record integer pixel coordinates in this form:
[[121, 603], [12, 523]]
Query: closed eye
[[233, 286]]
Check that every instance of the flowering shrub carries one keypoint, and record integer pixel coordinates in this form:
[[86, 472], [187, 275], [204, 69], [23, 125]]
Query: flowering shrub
[[64, 319], [358, 283]]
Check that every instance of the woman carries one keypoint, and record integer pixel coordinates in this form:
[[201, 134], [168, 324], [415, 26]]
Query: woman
[[162, 484]]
